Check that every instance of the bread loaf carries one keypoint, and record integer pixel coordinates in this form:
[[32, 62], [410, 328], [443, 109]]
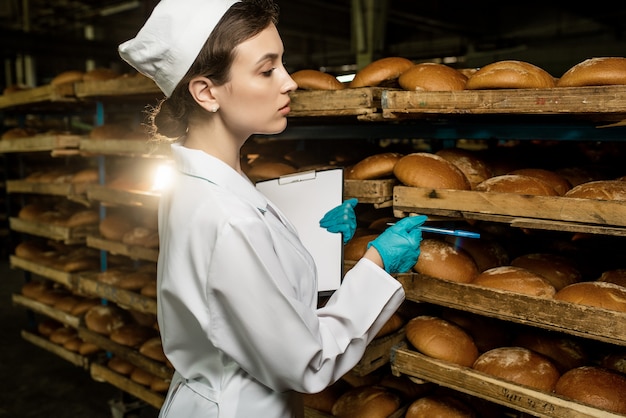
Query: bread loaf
[[475, 169], [487, 333], [366, 402], [316, 80], [69, 76], [519, 365], [104, 319], [599, 71], [430, 76], [100, 74], [439, 406], [443, 260], [565, 352], [422, 169], [441, 339], [515, 280], [486, 253], [113, 226], [132, 335], [554, 179], [594, 386], [603, 295], [380, 71], [510, 74], [558, 270], [375, 166], [153, 348], [600, 190], [518, 184]]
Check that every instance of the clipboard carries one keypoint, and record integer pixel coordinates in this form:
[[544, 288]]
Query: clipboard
[[304, 198]]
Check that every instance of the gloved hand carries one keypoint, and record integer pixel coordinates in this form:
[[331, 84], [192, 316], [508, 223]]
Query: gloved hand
[[341, 219], [399, 245]]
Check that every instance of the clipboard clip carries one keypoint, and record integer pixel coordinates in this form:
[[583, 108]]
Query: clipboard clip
[[297, 177]]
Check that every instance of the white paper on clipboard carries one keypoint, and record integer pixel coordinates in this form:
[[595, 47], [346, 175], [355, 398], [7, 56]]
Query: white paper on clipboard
[[305, 198]]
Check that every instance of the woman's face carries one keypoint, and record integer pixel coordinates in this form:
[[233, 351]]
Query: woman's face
[[256, 99]]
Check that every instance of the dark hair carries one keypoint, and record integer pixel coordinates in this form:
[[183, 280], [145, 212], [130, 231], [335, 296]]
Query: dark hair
[[241, 22]]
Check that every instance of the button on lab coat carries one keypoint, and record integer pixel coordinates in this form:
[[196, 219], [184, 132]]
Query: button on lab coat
[[237, 300]]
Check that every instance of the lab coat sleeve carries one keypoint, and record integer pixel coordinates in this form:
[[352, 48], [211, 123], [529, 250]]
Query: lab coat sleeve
[[259, 322]]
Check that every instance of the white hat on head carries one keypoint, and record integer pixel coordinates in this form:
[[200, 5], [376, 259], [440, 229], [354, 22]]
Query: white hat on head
[[171, 39]]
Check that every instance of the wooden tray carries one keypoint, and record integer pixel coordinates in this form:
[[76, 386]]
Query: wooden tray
[[47, 93], [116, 247], [377, 353], [89, 285], [346, 102], [570, 318], [75, 235], [40, 143], [124, 147], [119, 86], [48, 311], [603, 100], [134, 198], [549, 212], [102, 373], [127, 353], [377, 192], [72, 357], [467, 380], [58, 276]]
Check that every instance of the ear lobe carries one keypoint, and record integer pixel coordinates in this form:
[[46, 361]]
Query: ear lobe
[[200, 90]]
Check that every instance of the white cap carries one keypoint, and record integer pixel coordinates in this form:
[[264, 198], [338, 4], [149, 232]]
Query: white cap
[[171, 39]]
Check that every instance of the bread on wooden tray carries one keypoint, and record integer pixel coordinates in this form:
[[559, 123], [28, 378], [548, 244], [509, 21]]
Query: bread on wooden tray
[[381, 71], [598, 71], [510, 74], [430, 76], [316, 80]]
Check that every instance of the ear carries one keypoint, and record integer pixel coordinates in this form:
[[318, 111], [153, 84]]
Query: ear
[[200, 90]]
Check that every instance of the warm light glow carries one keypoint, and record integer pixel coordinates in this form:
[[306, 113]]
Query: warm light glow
[[162, 177]]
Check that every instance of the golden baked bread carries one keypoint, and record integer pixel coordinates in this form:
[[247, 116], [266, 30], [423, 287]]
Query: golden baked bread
[[120, 366], [442, 260], [104, 319], [441, 339], [153, 348], [557, 181], [69, 76], [600, 190], [380, 72], [595, 386], [564, 351], [599, 71], [366, 402], [559, 270], [515, 280], [519, 365], [475, 168], [603, 295], [440, 406], [430, 76], [316, 80], [423, 169], [517, 184], [510, 74], [132, 335], [375, 166]]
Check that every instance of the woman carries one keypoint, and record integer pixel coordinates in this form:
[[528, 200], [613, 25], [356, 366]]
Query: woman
[[237, 291]]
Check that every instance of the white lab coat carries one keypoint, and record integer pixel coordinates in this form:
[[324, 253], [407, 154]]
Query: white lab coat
[[237, 300]]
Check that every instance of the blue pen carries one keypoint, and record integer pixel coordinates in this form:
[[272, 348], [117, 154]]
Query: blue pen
[[453, 232]]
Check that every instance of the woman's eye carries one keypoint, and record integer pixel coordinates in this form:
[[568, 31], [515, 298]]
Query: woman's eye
[[268, 72]]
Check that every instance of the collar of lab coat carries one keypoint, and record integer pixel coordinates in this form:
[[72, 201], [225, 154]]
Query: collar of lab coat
[[199, 164]]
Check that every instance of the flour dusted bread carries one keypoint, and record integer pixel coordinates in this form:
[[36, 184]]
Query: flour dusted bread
[[440, 406], [422, 169], [554, 179], [598, 71], [603, 295], [316, 80], [475, 168], [515, 280], [442, 260], [519, 365], [560, 271], [104, 319], [518, 184], [430, 76], [565, 352], [381, 71], [441, 339], [375, 166], [600, 190], [594, 386], [510, 74], [366, 402]]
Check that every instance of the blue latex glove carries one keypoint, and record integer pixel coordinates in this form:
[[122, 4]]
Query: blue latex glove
[[341, 219], [399, 245]]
